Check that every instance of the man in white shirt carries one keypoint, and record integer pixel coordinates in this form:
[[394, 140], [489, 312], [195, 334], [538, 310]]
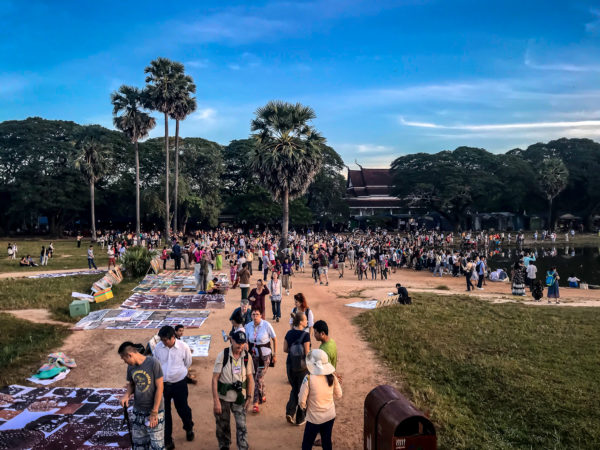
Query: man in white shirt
[[175, 358], [531, 273]]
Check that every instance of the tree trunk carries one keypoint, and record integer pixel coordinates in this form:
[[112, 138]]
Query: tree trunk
[[137, 190], [167, 208], [93, 201], [286, 219], [176, 201], [550, 214]]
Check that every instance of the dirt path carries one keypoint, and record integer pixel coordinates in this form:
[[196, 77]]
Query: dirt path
[[100, 366], [36, 315]]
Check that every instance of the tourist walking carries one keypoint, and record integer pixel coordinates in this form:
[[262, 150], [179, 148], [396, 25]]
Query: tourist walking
[[275, 290], [257, 297], [90, 257], [319, 389], [297, 345], [145, 382], [301, 305], [176, 253], [245, 310], [468, 271], [232, 387], [244, 277], [175, 358], [328, 345], [552, 283], [262, 343], [481, 269], [286, 273]]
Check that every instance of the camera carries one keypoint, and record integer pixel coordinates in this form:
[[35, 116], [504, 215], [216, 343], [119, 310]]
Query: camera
[[237, 386]]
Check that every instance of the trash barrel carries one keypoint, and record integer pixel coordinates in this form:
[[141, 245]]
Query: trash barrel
[[393, 423]]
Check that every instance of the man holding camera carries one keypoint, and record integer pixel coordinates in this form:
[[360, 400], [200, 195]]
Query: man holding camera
[[232, 381]]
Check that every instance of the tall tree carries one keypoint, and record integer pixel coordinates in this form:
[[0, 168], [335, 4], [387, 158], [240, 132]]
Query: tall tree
[[161, 94], [136, 125], [92, 161], [553, 179], [183, 106], [288, 154]]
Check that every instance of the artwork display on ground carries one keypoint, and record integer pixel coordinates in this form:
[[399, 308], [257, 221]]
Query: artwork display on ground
[[61, 418], [67, 274], [199, 344], [161, 301], [128, 319], [169, 282]]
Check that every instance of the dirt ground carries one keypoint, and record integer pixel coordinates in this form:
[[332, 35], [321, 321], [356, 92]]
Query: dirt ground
[[100, 366]]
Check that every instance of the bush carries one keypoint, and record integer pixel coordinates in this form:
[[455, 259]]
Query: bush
[[136, 260]]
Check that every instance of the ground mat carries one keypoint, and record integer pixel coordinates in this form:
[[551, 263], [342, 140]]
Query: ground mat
[[197, 301], [127, 319], [61, 418]]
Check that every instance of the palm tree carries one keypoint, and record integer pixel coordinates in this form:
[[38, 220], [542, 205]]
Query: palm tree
[[136, 125], [160, 94], [184, 105], [553, 179], [288, 154], [92, 161]]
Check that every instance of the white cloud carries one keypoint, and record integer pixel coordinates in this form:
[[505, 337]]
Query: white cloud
[[197, 64], [504, 126], [205, 114], [234, 66]]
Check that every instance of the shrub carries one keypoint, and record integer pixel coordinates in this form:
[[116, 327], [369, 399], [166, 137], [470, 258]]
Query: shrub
[[136, 260], [442, 287]]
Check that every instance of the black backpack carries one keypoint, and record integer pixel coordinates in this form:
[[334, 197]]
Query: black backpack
[[297, 356]]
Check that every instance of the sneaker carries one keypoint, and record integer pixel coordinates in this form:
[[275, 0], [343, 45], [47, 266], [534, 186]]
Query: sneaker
[[189, 435], [301, 423], [277, 319], [481, 289], [290, 419]]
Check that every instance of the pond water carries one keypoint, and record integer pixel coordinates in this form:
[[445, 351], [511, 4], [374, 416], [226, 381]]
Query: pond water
[[583, 262]]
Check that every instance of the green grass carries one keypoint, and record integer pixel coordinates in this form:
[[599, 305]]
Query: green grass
[[495, 376], [24, 346], [66, 254], [54, 294]]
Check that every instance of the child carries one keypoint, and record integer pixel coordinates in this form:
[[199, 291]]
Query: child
[[538, 291]]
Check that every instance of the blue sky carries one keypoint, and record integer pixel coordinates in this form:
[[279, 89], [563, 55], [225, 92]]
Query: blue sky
[[385, 77]]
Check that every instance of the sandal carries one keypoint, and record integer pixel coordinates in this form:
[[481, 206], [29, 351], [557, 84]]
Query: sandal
[[255, 409], [264, 399]]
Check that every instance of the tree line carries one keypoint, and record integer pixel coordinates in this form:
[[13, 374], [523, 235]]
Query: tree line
[[542, 179]]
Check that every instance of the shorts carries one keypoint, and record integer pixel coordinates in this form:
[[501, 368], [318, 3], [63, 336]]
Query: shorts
[[323, 270]]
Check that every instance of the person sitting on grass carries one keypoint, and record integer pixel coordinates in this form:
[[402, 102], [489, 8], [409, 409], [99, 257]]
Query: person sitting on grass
[[27, 261]]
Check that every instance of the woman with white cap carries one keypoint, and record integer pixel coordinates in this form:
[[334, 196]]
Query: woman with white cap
[[317, 393]]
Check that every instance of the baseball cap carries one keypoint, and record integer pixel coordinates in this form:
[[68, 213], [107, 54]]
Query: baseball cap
[[239, 337]]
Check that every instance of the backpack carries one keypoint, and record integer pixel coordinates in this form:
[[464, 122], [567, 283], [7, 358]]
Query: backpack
[[297, 356], [549, 280], [226, 358]]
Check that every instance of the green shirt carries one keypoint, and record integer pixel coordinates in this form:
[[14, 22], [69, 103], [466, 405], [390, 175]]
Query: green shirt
[[330, 348]]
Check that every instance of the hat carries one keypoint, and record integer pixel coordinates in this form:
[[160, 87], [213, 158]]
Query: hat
[[239, 337], [317, 363]]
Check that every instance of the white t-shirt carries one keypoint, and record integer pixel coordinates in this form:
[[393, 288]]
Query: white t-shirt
[[261, 334]]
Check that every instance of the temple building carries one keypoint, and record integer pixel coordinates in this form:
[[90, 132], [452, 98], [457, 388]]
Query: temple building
[[368, 193]]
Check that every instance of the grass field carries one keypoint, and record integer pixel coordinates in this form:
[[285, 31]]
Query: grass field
[[66, 254], [24, 345], [495, 376], [54, 294]]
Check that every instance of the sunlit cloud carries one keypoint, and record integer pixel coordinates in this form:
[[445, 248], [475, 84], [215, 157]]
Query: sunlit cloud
[[503, 126]]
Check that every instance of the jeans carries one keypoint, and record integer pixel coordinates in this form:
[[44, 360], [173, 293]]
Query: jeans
[[469, 284], [480, 280], [245, 291], [292, 408], [91, 263], [276, 307], [310, 433], [178, 392], [177, 262]]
